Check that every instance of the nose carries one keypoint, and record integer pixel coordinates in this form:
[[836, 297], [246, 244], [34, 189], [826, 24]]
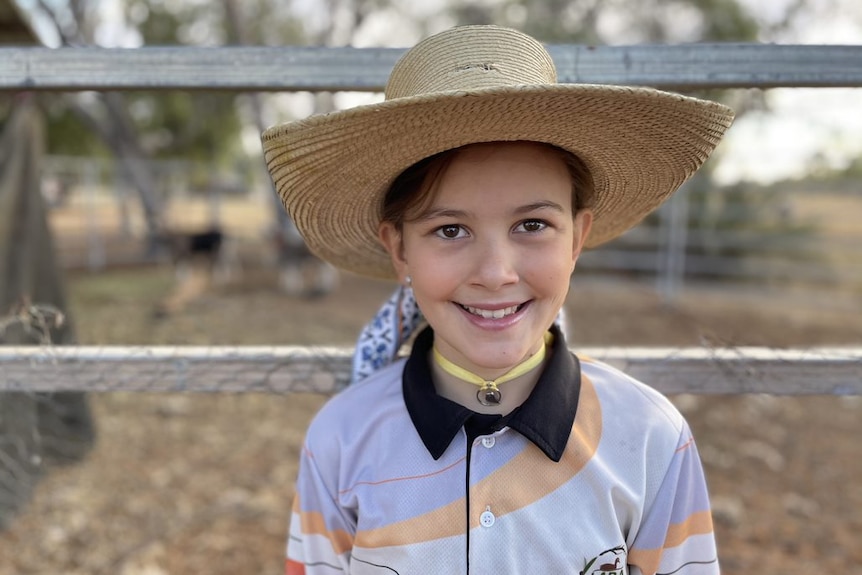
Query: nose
[[495, 264]]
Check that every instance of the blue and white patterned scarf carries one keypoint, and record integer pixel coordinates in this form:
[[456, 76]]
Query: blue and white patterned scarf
[[381, 339]]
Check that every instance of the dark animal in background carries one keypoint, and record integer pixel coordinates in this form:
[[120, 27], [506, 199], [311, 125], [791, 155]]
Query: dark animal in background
[[186, 248], [200, 258]]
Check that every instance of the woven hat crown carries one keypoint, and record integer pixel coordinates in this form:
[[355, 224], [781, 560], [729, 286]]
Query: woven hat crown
[[471, 58]]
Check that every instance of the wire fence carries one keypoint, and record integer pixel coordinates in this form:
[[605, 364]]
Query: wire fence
[[326, 370]]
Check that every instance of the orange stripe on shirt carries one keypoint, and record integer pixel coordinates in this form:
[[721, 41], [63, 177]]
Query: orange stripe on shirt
[[405, 478], [312, 522], [292, 567], [696, 524], [685, 445], [649, 559], [445, 521]]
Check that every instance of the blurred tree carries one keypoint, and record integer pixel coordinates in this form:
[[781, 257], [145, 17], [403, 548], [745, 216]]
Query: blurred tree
[[199, 126], [609, 22], [616, 21], [206, 126], [104, 114], [181, 124]]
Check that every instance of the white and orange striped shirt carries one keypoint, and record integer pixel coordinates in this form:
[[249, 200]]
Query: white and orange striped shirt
[[595, 474]]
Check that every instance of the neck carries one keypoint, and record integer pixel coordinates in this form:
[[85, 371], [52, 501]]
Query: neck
[[498, 394]]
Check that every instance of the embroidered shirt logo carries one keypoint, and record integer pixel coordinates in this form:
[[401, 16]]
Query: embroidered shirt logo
[[610, 562]]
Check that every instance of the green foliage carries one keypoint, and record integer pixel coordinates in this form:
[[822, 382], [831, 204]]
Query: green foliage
[[849, 176], [727, 21], [609, 22], [267, 23], [196, 126], [199, 126], [67, 134], [162, 22], [615, 21], [758, 220], [750, 225]]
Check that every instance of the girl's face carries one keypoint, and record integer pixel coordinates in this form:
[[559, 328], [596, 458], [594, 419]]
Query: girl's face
[[491, 256]]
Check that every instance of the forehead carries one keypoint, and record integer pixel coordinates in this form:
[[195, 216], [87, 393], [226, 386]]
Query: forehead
[[504, 171], [519, 151]]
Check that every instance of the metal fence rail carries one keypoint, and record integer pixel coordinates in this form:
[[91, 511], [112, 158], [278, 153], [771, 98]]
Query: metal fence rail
[[836, 371], [294, 68]]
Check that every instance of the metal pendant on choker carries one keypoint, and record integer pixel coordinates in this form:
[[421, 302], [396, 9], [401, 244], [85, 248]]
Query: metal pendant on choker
[[489, 393]]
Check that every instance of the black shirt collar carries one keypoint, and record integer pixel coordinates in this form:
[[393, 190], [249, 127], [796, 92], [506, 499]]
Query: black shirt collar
[[545, 418]]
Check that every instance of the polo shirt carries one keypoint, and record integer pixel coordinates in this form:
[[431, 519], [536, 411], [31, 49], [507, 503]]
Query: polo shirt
[[595, 473]]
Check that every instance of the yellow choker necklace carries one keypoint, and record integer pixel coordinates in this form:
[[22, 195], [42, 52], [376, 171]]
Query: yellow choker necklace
[[489, 393]]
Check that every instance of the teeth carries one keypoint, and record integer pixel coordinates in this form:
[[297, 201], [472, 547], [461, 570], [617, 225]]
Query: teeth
[[491, 314]]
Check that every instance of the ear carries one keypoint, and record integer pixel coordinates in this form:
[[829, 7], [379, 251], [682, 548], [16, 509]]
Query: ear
[[583, 223], [391, 239]]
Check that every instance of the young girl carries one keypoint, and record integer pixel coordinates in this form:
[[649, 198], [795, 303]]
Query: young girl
[[491, 448]]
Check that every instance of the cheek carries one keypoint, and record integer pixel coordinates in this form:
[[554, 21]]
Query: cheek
[[436, 275], [557, 286], [553, 266], [430, 271]]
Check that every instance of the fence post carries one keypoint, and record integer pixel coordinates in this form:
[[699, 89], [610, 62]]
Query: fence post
[[673, 242]]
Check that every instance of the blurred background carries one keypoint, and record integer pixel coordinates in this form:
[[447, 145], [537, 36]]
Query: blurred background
[[146, 218]]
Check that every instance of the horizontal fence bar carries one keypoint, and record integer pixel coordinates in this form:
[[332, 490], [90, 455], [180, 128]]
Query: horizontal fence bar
[[296, 68], [830, 371]]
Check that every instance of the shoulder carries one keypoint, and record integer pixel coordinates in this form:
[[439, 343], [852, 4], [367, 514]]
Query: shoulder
[[359, 405], [619, 393]]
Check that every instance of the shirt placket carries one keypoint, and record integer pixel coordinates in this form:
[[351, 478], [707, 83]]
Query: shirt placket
[[483, 508]]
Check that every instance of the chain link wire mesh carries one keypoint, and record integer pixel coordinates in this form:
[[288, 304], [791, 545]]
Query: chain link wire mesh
[[38, 430], [326, 370]]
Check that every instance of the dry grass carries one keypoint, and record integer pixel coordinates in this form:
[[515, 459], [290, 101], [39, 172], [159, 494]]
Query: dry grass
[[835, 214]]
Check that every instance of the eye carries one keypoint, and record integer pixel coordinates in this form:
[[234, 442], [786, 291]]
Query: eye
[[531, 226], [450, 232]]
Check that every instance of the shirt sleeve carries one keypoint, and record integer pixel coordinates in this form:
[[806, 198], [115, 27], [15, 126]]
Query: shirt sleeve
[[677, 535], [321, 532]]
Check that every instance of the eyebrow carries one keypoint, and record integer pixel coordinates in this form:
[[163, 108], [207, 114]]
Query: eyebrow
[[461, 214], [541, 205]]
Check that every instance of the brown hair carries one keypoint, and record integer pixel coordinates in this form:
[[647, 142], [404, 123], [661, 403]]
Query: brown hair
[[413, 189]]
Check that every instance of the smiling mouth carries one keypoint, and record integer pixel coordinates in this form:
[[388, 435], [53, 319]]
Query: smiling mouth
[[492, 313]]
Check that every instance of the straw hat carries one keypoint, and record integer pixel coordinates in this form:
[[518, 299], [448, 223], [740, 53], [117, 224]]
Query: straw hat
[[480, 84]]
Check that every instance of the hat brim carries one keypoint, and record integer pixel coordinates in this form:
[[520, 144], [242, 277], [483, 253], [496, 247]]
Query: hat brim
[[333, 170]]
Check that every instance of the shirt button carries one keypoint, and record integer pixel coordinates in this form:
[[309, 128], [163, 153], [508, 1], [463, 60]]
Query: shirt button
[[489, 441], [487, 519]]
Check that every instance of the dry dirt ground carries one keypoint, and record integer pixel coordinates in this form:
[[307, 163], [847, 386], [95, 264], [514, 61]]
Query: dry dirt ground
[[202, 483]]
